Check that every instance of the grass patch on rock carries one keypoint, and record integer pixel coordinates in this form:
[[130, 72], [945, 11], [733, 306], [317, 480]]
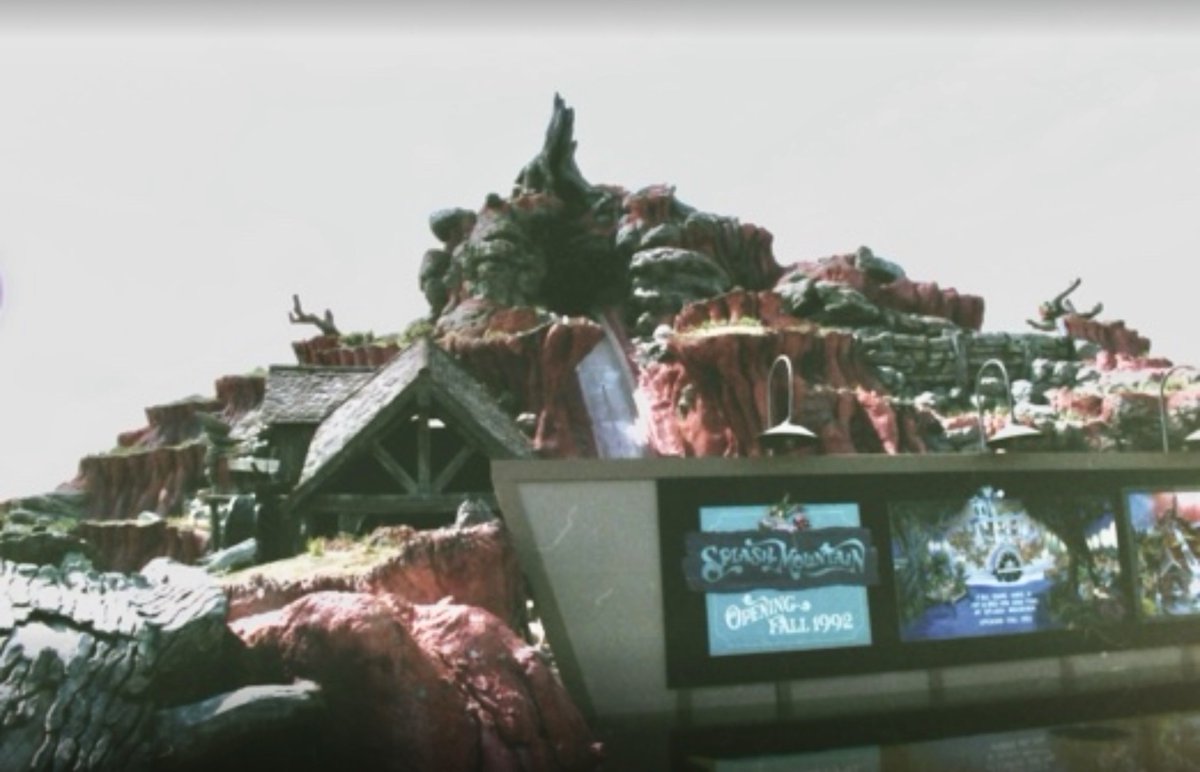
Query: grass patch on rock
[[746, 325], [326, 557]]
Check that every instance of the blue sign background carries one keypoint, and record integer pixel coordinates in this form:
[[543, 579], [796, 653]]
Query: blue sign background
[[756, 621]]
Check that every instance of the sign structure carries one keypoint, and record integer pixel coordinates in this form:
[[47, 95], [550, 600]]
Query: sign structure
[[995, 565], [1166, 529], [989, 559], [779, 576]]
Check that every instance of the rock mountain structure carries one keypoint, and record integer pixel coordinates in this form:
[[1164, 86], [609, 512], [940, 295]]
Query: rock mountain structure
[[609, 322], [565, 319]]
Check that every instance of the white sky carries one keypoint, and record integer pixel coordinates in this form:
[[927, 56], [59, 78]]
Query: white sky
[[166, 187]]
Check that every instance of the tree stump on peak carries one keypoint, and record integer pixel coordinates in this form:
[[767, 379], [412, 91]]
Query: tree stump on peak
[[553, 170]]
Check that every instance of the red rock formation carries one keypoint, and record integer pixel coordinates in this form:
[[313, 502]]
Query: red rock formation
[[526, 719], [1107, 361], [476, 566], [161, 463], [710, 397], [650, 206], [1086, 404], [927, 299], [308, 351], [536, 370], [128, 545], [169, 424], [743, 250], [1114, 336], [924, 298], [1134, 418], [887, 426], [328, 351], [239, 394], [764, 307], [478, 317], [175, 422], [443, 687], [126, 484]]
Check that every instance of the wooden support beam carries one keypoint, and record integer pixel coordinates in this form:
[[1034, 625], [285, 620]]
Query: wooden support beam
[[449, 470], [424, 443], [391, 504], [465, 426], [393, 467]]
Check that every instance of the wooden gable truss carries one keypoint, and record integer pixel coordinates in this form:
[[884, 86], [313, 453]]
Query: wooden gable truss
[[412, 444]]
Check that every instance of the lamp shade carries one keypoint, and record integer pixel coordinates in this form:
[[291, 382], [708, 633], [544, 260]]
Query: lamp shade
[[786, 435], [1012, 435]]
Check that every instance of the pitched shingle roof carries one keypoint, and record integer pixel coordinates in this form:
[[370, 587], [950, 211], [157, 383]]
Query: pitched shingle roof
[[353, 423], [306, 395]]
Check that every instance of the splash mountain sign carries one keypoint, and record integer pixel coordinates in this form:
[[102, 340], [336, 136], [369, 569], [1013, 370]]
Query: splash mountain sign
[[781, 560]]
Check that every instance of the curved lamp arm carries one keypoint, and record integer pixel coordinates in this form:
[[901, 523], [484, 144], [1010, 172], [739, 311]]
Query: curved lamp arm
[[787, 363], [784, 434], [979, 402], [1162, 402]]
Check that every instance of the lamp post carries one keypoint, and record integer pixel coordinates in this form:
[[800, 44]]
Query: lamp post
[[785, 434], [1192, 438], [1012, 432]]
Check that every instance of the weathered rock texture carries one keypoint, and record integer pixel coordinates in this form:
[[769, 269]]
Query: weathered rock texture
[[261, 726], [119, 485], [156, 467], [475, 566], [522, 288], [87, 658], [115, 671], [701, 306], [128, 545], [330, 351], [443, 687], [24, 544], [1114, 337], [526, 286], [533, 371], [884, 284]]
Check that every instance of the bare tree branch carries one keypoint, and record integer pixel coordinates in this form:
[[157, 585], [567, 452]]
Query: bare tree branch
[[298, 316]]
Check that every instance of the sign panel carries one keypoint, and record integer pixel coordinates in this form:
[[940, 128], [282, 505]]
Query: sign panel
[[1166, 531], [780, 559], [996, 565], [759, 619]]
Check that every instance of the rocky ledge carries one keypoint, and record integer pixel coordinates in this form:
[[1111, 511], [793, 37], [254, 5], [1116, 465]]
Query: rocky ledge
[[88, 659], [476, 566], [401, 652], [440, 686]]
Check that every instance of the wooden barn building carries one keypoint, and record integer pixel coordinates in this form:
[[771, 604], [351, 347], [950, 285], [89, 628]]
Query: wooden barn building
[[406, 443]]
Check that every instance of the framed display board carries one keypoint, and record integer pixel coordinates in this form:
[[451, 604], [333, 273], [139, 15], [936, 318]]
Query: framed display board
[[1164, 523], [782, 591], [994, 564], [777, 578]]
